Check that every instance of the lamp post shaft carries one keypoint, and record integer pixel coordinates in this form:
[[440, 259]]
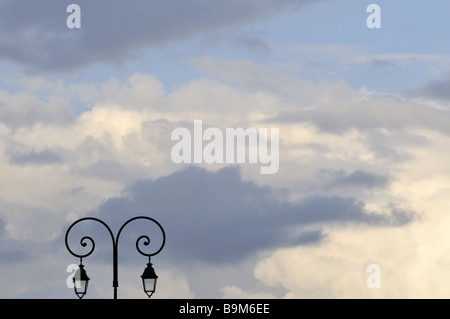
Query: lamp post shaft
[[115, 270]]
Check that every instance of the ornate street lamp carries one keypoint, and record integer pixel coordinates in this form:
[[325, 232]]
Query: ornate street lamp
[[149, 276], [80, 281]]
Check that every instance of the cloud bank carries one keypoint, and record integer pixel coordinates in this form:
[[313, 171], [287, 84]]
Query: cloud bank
[[341, 184], [114, 32], [216, 217]]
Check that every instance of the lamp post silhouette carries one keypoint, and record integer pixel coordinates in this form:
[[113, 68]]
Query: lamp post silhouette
[[149, 276]]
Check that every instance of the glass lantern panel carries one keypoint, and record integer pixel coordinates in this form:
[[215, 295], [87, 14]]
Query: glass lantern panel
[[149, 284], [81, 286]]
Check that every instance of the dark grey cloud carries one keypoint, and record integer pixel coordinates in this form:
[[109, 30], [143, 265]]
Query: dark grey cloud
[[358, 178], [437, 89], [11, 251], [377, 63], [44, 157], [34, 33], [2, 227], [252, 43], [218, 217], [9, 255]]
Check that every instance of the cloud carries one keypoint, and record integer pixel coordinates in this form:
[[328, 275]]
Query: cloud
[[437, 89], [223, 216], [233, 292], [108, 37], [344, 110], [251, 76], [43, 157], [358, 179], [333, 107], [380, 63], [11, 251], [339, 268], [111, 170], [252, 43], [219, 218], [24, 109]]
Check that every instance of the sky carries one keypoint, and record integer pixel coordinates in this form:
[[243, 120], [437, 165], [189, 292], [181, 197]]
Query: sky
[[87, 116]]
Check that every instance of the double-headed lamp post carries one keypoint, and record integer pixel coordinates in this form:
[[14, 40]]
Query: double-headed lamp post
[[149, 277]]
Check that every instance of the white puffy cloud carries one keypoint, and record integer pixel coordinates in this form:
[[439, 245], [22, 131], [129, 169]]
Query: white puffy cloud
[[411, 260], [335, 142]]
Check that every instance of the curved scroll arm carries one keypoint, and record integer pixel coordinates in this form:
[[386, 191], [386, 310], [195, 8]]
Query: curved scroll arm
[[144, 238], [86, 238]]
